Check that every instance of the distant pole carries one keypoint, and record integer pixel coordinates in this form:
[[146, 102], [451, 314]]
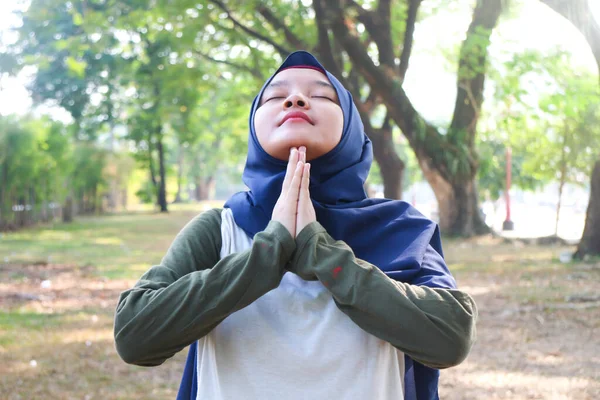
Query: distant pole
[[508, 225]]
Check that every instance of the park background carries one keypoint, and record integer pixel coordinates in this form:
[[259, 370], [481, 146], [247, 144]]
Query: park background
[[122, 120]]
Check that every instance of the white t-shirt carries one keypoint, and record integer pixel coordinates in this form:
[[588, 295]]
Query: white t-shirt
[[293, 343]]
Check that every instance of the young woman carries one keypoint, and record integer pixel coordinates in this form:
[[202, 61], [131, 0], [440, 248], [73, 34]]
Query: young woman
[[302, 287]]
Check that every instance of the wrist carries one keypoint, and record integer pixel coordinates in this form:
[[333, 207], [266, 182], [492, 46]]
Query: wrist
[[282, 235]]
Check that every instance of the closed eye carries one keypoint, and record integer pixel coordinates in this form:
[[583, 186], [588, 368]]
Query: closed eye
[[274, 98], [323, 97]]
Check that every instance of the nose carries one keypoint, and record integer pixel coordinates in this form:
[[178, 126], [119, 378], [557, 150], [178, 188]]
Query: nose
[[296, 100]]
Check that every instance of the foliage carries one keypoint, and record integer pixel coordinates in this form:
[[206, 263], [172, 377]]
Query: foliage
[[171, 82], [552, 130], [41, 164], [144, 72]]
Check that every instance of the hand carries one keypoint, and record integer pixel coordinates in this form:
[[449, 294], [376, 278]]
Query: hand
[[286, 208], [306, 210]]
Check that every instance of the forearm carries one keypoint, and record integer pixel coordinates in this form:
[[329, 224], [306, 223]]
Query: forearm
[[434, 326], [159, 317]]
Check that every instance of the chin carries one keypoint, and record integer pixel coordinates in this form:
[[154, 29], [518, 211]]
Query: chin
[[294, 140]]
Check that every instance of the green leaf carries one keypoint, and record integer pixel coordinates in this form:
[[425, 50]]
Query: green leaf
[[77, 19], [77, 68]]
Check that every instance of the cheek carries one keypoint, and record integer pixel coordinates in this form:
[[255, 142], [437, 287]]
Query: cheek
[[338, 125], [260, 125]]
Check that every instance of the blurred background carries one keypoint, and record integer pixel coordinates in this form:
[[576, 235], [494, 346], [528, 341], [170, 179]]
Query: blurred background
[[122, 120]]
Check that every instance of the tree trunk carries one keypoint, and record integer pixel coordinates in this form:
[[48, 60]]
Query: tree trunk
[[31, 216], [21, 212], [4, 206], [151, 165], [391, 173], [44, 212], [180, 159], [124, 199], [450, 159], [112, 194], [162, 186], [562, 179], [561, 187], [590, 240], [80, 203], [579, 13], [205, 188], [67, 213], [391, 166], [458, 205]]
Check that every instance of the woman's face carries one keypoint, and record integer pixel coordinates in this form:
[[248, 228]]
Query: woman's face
[[300, 107]]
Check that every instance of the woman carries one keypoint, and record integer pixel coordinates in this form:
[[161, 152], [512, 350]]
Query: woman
[[302, 287]]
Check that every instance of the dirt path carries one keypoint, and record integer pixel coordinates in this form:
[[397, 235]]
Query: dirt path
[[529, 347], [538, 337]]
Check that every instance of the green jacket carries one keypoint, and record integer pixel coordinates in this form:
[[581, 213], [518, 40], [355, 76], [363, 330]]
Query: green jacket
[[192, 290]]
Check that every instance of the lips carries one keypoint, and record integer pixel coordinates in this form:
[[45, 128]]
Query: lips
[[296, 114]]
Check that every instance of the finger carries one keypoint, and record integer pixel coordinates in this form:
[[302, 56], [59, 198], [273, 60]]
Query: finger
[[304, 196], [294, 188], [291, 167], [302, 153]]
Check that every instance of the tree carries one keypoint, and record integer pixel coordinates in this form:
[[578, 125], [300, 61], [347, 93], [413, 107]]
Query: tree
[[369, 48], [574, 132], [448, 161], [579, 13], [76, 70], [112, 65], [553, 132], [589, 243], [41, 164]]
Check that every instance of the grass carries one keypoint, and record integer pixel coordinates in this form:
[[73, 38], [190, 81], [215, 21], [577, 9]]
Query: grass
[[57, 341], [117, 246], [60, 344]]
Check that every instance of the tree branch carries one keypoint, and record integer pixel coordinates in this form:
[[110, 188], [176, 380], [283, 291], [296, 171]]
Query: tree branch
[[578, 12], [371, 101], [326, 54], [432, 149], [276, 22], [324, 45], [377, 23], [280, 49], [254, 72], [387, 121], [471, 72], [385, 83], [411, 19], [386, 44], [384, 9]]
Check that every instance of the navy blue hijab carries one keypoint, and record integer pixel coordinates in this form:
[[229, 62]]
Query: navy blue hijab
[[390, 234]]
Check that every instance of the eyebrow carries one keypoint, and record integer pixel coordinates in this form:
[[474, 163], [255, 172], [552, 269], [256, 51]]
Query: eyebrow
[[287, 83]]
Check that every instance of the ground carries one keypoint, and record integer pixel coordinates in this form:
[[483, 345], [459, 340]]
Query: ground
[[539, 324], [538, 329]]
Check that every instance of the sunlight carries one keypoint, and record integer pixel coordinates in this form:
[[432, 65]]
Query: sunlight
[[558, 387], [87, 336], [108, 241], [595, 6]]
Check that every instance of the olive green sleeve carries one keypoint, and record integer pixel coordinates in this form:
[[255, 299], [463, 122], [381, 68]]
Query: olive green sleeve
[[192, 290], [435, 327]]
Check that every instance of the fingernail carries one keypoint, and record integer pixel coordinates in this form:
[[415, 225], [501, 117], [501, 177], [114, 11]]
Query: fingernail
[[302, 149]]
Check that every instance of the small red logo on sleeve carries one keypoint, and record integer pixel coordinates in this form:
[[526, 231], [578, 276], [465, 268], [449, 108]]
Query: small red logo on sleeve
[[336, 271]]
